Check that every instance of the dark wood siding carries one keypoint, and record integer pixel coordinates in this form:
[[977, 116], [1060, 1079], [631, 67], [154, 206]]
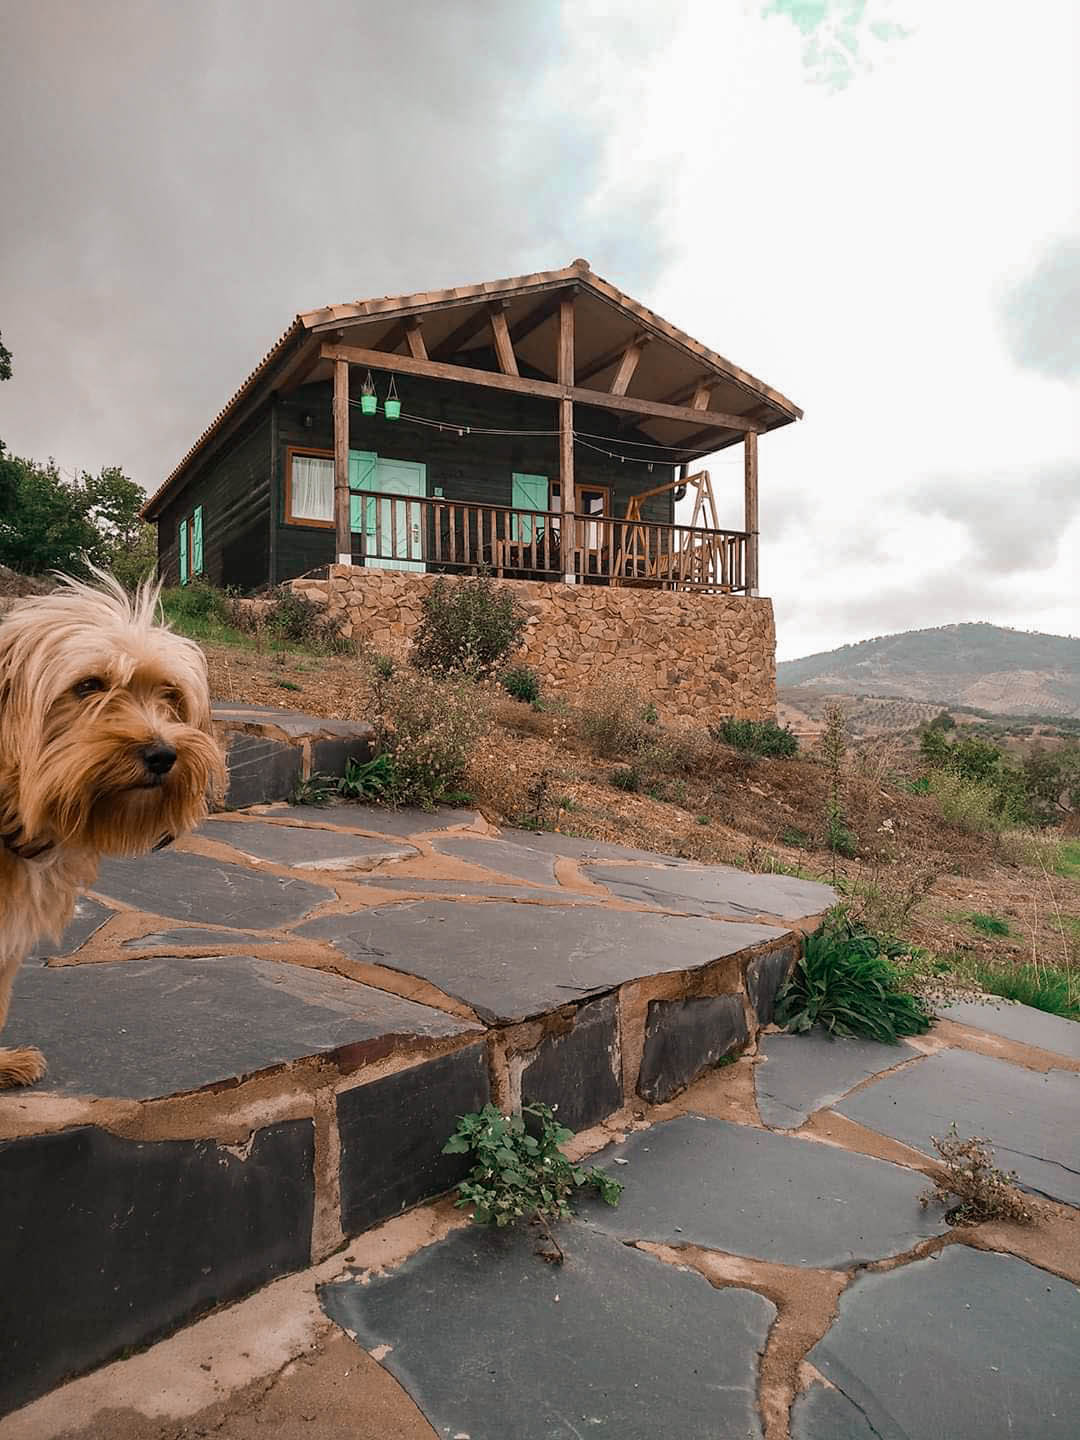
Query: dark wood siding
[[242, 487], [468, 466], [233, 487]]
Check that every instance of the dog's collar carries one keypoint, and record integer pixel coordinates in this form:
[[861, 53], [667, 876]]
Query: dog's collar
[[24, 851], [31, 852]]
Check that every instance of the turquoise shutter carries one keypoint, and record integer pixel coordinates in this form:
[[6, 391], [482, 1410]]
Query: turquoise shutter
[[362, 464], [197, 542], [183, 553], [530, 492]]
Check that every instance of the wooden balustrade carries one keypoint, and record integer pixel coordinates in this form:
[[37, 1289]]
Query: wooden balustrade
[[436, 534]]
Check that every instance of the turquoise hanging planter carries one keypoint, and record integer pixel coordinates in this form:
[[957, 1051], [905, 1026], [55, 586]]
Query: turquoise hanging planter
[[369, 401], [392, 405]]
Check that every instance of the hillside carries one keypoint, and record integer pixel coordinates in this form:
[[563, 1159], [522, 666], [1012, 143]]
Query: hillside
[[1013, 672]]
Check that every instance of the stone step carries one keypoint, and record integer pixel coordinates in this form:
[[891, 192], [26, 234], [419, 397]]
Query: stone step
[[268, 751], [253, 1059]]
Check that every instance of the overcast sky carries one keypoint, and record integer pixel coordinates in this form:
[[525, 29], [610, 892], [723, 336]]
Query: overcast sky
[[874, 206]]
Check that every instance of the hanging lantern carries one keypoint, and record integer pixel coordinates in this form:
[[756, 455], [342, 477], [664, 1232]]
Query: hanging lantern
[[392, 405], [369, 401]]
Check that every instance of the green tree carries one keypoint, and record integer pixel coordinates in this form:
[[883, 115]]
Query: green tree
[[5, 361], [49, 523], [44, 525]]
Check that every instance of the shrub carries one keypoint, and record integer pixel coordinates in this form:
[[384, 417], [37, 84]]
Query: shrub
[[293, 619], [970, 1185], [613, 720], [845, 981], [522, 683], [428, 725], [968, 804], [518, 1175], [758, 737], [626, 777], [470, 625]]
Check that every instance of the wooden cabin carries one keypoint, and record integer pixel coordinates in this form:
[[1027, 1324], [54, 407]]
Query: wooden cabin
[[545, 427]]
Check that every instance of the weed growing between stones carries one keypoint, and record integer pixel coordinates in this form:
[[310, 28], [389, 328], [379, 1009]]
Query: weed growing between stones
[[520, 1173], [847, 982], [971, 1187], [374, 780]]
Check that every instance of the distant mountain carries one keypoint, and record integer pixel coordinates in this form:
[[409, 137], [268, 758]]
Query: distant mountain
[[1010, 672]]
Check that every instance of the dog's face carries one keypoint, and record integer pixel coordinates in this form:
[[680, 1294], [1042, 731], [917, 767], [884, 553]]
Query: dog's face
[[105, 737]]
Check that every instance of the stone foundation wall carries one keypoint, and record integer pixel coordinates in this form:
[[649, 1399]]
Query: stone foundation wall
[[695, 656]]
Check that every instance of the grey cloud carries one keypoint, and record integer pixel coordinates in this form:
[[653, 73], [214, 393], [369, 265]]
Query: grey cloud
[[1015, 518], [178, 181], [1040, 316], [943, 597]]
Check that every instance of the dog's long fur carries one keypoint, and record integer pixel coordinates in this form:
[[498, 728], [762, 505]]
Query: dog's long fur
[[88, 682]]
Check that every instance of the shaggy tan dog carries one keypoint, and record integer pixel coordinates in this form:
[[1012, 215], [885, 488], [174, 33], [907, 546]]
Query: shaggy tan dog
[[105, 749]]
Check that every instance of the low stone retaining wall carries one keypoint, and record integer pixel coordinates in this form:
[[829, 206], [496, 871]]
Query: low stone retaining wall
[[268, 751], [694, 656]]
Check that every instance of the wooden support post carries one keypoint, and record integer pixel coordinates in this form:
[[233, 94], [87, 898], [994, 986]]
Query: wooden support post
[[566, 439], [751, 524], [342, 523]]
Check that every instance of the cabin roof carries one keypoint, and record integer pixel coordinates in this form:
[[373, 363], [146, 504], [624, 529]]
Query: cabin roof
[[673, 366]]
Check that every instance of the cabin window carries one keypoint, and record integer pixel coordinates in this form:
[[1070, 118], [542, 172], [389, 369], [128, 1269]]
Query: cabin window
[[190, 545], [309, 489]]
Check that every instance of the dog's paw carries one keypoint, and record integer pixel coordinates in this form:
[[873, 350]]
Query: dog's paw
[[21, 1067]]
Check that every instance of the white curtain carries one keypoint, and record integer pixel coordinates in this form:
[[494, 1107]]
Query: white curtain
[[312, 488]]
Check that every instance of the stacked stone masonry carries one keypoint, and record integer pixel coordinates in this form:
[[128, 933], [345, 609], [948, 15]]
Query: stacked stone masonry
[[695, 656]]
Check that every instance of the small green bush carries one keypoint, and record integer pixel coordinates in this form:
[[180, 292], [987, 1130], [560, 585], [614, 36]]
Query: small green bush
[[626, 777], [292, 619], [383, 666], [970, 805], [521, 683], [518, 1175], [757, 737], [469, 625], [846, 981]]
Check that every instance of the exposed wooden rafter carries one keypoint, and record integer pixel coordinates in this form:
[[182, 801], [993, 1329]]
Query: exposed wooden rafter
[[504, 346], [620, 381], [702, 396], [414, 333]]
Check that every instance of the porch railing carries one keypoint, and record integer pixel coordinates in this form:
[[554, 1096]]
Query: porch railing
[[431, 533]]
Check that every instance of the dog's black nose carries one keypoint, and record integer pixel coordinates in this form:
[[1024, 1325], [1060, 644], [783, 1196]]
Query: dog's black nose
[[159, 758]]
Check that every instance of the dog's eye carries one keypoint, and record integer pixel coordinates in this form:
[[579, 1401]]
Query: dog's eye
[[90, 686], [173, 698]]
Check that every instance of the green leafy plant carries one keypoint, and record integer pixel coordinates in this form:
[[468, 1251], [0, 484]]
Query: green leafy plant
[[757, 737], [519, 1171], [374, 779], [292, 619], [315, 790], [626, 777], [971, 1187], [469, 625], [846, 982], [383, 666], [522, 683]]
